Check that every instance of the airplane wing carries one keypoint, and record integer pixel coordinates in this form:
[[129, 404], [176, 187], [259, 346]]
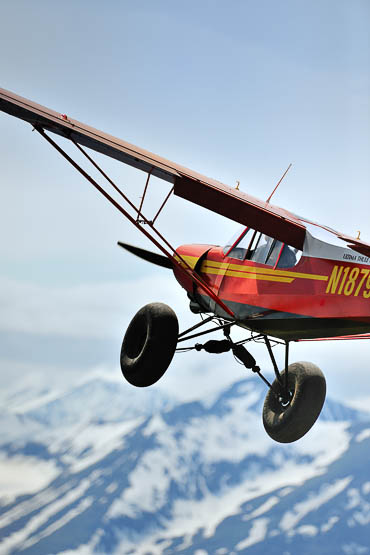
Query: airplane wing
[[194, 187], [188, 184], [356, 245]]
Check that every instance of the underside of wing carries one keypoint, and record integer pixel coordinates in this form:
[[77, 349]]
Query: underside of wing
[[243, 208], [188, 184], [192, 186], [61, 124]]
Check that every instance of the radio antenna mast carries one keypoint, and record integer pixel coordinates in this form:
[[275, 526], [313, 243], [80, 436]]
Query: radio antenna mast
[[280, 180]]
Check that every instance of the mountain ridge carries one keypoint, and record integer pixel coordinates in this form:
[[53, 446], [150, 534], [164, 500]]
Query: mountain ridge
[[187, 477]]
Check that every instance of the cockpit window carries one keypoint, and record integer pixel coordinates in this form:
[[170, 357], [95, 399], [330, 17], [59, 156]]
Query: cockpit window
[[263, 250], [272, 252], [289, 257], [238, 244], [258, 247]]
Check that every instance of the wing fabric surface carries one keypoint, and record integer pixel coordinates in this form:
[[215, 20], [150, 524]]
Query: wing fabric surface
[[194, 187], [356, 245], [61, 124], [243, 208], [188, 184]]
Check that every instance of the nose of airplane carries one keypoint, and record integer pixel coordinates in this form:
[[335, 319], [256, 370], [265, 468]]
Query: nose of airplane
[[188, 256]]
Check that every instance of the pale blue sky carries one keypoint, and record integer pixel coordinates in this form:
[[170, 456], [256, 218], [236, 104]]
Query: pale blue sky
[[236, 90]]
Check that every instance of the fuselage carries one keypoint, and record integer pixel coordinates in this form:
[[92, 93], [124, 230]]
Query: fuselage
[[317, 297]]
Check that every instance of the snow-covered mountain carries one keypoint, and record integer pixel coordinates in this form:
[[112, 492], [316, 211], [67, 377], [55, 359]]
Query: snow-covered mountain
[[112, 469]]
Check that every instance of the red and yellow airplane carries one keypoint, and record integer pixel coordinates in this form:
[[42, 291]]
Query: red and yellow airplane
[[282, 278]]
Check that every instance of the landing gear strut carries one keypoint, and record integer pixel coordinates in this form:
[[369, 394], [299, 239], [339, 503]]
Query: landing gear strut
[[295, 398], [293, 402], [289, 417]]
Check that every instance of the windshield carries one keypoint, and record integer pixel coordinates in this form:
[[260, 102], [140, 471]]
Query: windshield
[[237, 246], [248, 244]]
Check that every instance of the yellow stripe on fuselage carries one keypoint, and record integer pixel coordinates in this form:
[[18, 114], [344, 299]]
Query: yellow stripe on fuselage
[[248, 275], [249, 272], [210, 267], [190, 260]]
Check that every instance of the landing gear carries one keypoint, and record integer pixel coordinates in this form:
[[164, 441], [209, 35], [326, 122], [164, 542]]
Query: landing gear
[[289, 413], [293, 402], [149, 344], [296, 397]]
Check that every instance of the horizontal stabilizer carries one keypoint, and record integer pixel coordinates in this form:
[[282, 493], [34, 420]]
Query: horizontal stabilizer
[[149, 256]]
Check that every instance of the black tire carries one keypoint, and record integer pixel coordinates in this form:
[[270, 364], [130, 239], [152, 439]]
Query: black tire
[[149, 344], [287, 422]]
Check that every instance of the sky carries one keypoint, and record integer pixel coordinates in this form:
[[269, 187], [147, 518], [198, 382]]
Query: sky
[[235, 90]]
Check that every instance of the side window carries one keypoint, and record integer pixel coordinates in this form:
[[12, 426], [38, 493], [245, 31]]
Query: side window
[[265, 250], [271, 252], [289, 257], [262, 251]]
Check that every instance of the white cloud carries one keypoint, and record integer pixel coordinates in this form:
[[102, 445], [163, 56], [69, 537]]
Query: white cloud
[[22, 475], [103, 310], [88, 310]]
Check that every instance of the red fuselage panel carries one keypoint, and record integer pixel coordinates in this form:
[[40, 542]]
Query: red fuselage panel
[[319, 289]]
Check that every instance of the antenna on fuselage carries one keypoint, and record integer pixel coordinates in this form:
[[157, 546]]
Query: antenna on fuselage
[[278, 183]]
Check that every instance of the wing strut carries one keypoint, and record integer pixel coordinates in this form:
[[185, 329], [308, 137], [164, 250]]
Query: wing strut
[[144, 193], [176, 260], [162, 206]]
